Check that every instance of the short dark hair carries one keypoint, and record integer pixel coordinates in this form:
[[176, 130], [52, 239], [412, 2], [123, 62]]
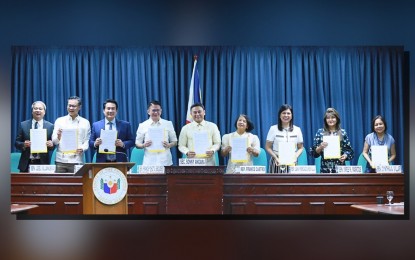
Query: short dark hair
[[382, 119], [197, 105], [250, 125], [110, 101], [282, 109], [154, 102], [77, 99]]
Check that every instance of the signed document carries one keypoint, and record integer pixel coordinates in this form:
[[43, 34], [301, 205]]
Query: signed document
[[201, 143], [38, 141], [379, 155], [286, 153], [108, 141], [332, 151], [239, 146], [157, 136], [69, 140]]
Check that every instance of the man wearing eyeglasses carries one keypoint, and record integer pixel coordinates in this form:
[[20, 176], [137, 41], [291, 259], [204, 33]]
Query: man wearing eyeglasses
[[156, 136], [75, 128]]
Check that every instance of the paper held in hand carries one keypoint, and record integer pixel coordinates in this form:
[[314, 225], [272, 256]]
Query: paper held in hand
[[332, 151], [108, 138], [201, 143], [379, 155], [286, 153], [157, 136], [69, 140], [239, 146], [38, 141]]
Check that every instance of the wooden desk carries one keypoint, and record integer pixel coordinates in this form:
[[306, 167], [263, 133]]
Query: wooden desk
[[190, 193], [394, 209], [246, 194], [21, 208], [306, 194]]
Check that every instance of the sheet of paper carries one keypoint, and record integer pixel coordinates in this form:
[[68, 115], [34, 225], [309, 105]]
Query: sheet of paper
[[38, 138], [238, 152], [379, 155], [69, 140], [201, 143], [108, 141], [286, 153], [332, 151], [157, 136]]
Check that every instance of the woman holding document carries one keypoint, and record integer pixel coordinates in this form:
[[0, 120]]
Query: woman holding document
[[240, 145], [379, 147], [331, 143], [284, 141]]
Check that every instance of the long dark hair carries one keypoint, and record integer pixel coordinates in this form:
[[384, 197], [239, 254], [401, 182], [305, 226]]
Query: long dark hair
[[282, 109], [332, 112]]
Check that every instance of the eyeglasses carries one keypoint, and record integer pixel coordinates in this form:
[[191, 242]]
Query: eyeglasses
[[72, 106], [155, 110]]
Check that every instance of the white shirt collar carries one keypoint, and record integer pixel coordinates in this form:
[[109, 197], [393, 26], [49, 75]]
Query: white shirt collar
[[74, 119], [107, 121], [40, 122], [155, 123]]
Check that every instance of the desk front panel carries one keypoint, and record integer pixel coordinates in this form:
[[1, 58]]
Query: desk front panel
[[61, 194], [280, 194], [314, 194]]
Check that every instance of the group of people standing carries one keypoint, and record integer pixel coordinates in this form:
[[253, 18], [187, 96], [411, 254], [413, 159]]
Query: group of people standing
[[199, 132], [285, 131]]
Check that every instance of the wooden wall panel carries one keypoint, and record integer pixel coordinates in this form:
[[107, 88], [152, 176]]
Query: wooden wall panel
[[265, 194]]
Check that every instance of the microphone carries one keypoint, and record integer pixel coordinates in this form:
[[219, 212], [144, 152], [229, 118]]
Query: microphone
[[126, 156]]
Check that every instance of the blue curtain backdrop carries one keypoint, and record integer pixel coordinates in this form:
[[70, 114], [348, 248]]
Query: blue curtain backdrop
[[360, 82]]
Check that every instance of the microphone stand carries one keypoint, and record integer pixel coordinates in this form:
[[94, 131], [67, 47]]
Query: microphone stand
[[125, 154]]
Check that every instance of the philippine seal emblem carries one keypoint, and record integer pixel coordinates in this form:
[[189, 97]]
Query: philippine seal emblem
[[110, 185]]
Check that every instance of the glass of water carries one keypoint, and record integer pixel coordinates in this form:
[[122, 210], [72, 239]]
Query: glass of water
[[389, 196]]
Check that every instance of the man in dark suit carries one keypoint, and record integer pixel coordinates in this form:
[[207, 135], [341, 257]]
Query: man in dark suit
[[23, 143], [125, 138]]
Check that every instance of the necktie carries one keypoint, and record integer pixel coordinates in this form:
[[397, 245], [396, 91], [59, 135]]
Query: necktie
[[111, 157], [36, 155]]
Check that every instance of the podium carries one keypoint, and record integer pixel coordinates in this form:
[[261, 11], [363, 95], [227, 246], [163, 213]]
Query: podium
[[195, 189], [105, 187]]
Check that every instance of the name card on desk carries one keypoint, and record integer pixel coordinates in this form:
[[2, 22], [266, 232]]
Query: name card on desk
[[349, 169], [42, 168], [192, 162], [251, 169], [302, 169], [389, 169], [143, 169]]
